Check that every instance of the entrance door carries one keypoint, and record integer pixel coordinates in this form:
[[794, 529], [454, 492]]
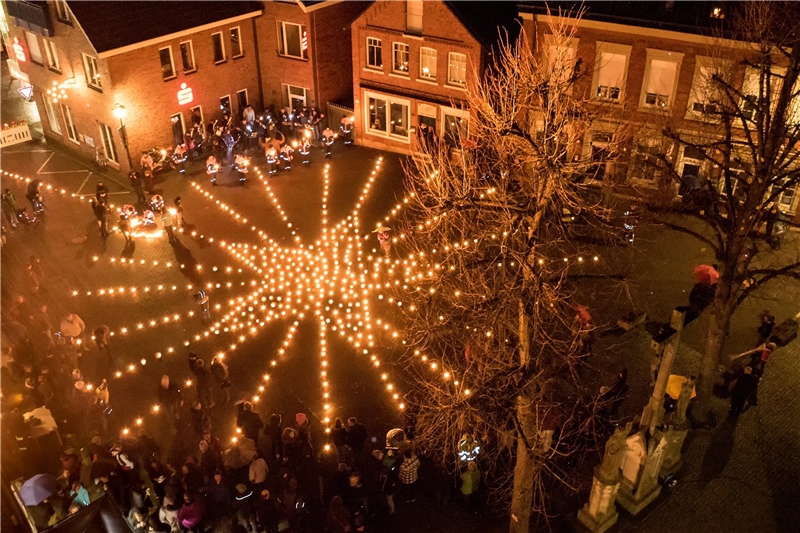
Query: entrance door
[[690, 178], [177, 129], [225, 105]]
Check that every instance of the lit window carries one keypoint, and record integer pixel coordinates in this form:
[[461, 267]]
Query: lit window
[[236, 43], [33, 48], [427, 63], [660, 83], [377, 114], [387, 117], [219, 48], [374, 53], [52, 55], [167, 64], [51, 116], [187, 57], [457, 69], [717, 13], [107, 136], [400, 63], [296, 97], [91, 72], [292, 40], [610, 76], [72, 133], [705, 91]]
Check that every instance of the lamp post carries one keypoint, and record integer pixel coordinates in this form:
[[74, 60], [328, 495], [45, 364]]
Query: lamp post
[[119, 112]]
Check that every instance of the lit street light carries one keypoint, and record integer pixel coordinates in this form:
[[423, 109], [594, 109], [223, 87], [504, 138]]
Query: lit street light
[[119, 112]]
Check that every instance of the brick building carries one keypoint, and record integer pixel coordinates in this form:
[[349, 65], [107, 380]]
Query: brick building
[[161, 61], [411, 62], [649, 63]]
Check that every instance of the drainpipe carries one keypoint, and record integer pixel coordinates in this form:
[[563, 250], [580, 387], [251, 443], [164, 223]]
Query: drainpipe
[[258, 64], [313, 43]]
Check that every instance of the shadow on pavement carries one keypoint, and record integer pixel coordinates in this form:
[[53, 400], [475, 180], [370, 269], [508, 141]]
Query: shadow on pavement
[[718, 453]]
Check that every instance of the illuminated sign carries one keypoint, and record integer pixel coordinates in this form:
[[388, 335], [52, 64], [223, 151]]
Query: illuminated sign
[[19, 51], [185, 95], [305, 41], [26, 92]]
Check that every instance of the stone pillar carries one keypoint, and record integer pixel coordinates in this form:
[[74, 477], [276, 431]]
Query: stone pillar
[[635, 495], [600, 513], [654, 411], [673, 460]]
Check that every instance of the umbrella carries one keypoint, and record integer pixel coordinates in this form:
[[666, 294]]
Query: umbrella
[[706, 274], [674, 386], [381, 229], [37, 489], [70, 329]]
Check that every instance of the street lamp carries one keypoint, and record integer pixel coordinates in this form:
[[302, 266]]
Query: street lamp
[[119, 112]]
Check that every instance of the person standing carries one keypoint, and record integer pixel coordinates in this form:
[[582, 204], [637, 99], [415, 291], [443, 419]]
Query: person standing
[[220, 372], [204, 391], [166, 221], [179, 222], [124, 227], [136, 183], [766, 325], [101, 192], [409, 474], [101, 336], [327, 140], [743, 390], [249, 421], [10, 207], [356, 435], [470, 481]]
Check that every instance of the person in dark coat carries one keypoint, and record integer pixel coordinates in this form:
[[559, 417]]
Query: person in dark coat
[[356, 435], [204, 388], [250, 422], [244, 503], [275, 441], [743, 389], [220, 497], [339, 435], [267, 512]]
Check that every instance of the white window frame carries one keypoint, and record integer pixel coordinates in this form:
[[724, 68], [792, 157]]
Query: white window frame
[[107, 139], [72, 131], [222, 47], [63, 13], [661, 55], [239, 40], [397, 48], [651, 140], [52, 55], [183, 123], [52, 118], [230, 103], [171, 64], [450, 82], [776, 81], [414, 12], [287, 95], [696, 93], [246, 97], [93, 79], [389, 101], [283, 47], [191, 53], [191, 113], [551, 46], [33, 42], [454, 112], [422, 64], [379, 46], [616, 49]]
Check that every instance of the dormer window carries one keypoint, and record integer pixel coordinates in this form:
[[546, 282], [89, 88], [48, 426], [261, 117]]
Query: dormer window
[[717, 13]]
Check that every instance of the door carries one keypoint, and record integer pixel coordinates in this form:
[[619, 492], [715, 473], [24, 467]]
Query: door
[[225, 105], [177, 129], [690, 178]]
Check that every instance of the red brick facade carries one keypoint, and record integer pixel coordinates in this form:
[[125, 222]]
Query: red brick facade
[[400, 99]]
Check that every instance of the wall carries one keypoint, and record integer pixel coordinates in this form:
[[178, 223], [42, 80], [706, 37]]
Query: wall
[[441, 30], [150, 101]]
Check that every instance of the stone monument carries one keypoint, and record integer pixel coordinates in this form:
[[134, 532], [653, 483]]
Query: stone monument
[[640, 469], [676, 432], [600, 513]]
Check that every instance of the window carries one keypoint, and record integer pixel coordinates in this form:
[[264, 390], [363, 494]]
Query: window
[[374, 55], [661, 75], [225, 105], [219, 48], [167, 65], [387, 117], [456, 69], [187, 57], [295, 97], [197, 115], [786, 198], [241, 100], [414, 16], [72, 133], [52, 56], [454, 126], [612, 66], [177, 128], [400, 62], [62, 12], [51, 116], [427, 63], [292, 40], [236, 43], [705, 91], [33, 48], [91, 72], [599, 155], [645, 163], [751, 89], [107, 137], [561, 59]]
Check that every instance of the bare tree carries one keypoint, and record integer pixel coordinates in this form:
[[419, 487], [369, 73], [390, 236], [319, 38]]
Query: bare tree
[[744, 126], [489, 286]]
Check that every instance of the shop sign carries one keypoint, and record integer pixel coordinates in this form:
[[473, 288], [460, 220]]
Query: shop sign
[[19, 51], [185, 95]]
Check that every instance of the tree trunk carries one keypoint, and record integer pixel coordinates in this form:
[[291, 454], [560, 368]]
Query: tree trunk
[[524, 468], [718, 326]]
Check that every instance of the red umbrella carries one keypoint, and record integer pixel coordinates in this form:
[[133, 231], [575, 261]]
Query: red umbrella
[[706, 274]]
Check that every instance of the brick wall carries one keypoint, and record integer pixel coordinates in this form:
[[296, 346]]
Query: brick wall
[[150, 101], [442, 31]]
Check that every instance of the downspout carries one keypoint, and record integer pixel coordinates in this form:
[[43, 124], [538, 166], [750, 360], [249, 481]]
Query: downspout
[[312, 40], [258, 64]]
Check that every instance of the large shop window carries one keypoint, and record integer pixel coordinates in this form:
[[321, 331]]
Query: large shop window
[[91, 72], [187, 57], [107, 136], [167, 64], [292, 40], [457, 69], [374, 53], [219, 48], [387, 116]]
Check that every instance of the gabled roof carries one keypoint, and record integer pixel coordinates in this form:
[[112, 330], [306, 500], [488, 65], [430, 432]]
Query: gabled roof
[[487, 21], [114, 25]]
